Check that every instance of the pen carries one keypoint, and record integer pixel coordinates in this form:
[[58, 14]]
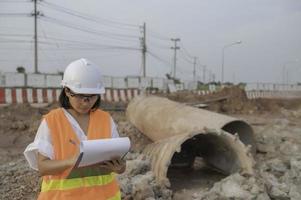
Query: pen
[[72, 141], [124, 156]]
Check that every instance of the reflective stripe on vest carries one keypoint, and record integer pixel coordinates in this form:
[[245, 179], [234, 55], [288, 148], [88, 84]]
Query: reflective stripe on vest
[[65, 184], [95, 193], [116, 197], [65, 144]]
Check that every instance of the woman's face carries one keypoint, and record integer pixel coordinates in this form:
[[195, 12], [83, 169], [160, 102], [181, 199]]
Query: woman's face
[[81, 103]]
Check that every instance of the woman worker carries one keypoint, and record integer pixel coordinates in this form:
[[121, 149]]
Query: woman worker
[[55, 149]]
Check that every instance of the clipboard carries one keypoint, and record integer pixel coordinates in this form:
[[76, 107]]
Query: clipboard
[[96, 151]]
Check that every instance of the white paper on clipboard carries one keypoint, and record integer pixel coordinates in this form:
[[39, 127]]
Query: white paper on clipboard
[[95, 151]]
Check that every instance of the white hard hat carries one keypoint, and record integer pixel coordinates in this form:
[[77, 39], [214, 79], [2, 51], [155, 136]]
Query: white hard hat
[[83, 77]]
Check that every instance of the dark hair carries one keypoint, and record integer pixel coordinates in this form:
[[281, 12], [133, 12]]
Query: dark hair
[[64, 101]]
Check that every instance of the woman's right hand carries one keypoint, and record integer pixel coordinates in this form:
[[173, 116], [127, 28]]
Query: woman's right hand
[[72, 160], [47, 166]]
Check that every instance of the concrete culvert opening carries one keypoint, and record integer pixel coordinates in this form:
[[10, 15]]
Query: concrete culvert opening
[[244, 131], [211, 154], [203, 160]]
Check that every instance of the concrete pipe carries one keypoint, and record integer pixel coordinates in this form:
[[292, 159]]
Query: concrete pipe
[[159, 118], [180, 133]]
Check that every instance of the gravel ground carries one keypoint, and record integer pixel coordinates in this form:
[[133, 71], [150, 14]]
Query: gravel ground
[[278, 159]]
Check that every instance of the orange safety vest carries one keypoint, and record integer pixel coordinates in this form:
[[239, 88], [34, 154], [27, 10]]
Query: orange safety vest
[[65, 144]]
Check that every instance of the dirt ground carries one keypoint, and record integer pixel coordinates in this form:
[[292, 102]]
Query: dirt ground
[[277, 126]]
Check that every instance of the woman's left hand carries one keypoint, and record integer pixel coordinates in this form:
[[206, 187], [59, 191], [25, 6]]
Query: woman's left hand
[[116, 165]]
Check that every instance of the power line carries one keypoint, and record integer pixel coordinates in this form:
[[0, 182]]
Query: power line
[[98, 32], [184, 71], [186, 52], [185, 59], [70, 58], [93, 48], [158, 46], [14, 49], [186, 56], [85, 16], [167, 64], [13, 28], [159, 58], [55, 53], [91, 31], [15, 35], [14, 1], [15, 41], [71, 45], [26, 56], [158, 36], [83, 49], [72, 42], [14, 14], [75, 45], [81, 39]]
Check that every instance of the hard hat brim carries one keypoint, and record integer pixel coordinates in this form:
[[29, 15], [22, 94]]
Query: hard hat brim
[[87, 90]]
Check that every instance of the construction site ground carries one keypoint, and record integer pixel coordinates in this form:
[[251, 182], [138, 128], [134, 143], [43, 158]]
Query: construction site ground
[[277, 127]]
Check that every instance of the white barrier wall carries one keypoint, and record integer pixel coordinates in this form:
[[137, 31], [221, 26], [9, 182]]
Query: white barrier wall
[[53, 81], [212, 87], [179, 86], [272, 87], [107, 81], [133, 82], [14, 79], [145, 82], [284, 94], [190, 85], [119, 83], [36, 80], [159, 83], [2, 80]]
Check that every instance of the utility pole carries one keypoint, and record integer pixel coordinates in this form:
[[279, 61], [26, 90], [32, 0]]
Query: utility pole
[[213, 77], [194, 68], [175, 48], [35, 14], [204, 74], [287, 82], [283, 74], [285, 71], [143, 43], [209, 76]]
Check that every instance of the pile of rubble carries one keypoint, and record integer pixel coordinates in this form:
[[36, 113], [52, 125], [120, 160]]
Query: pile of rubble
[[138, 181]]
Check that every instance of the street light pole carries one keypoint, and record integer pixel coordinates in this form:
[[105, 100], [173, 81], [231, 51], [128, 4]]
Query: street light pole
[[285, 71], [223, 57]]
